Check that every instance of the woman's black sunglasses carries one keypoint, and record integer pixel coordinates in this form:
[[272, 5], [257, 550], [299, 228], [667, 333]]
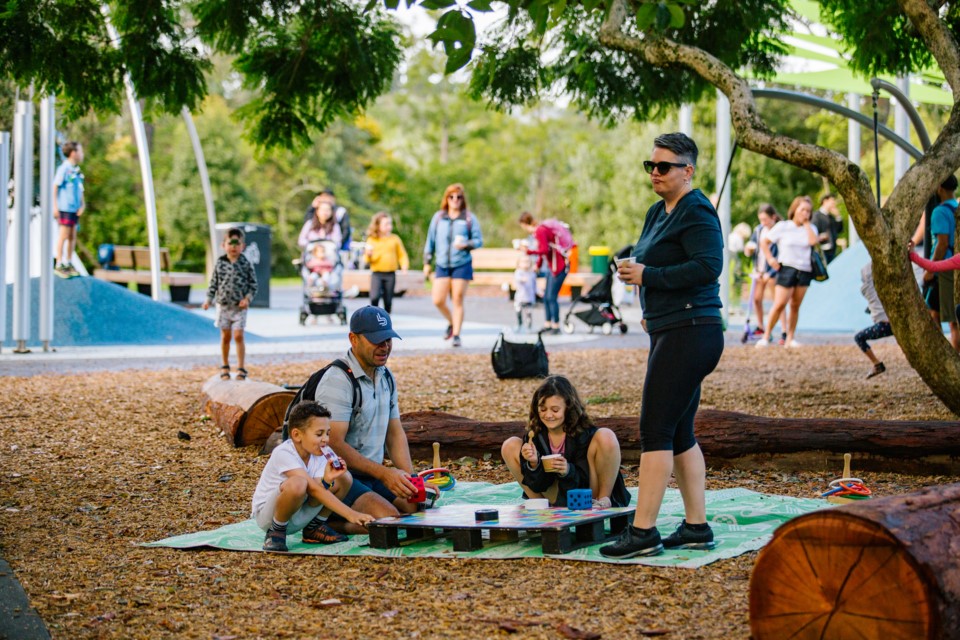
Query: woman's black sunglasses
[[662, 167]]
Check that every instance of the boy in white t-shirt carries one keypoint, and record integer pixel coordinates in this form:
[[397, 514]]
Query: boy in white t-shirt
[[298, 489]]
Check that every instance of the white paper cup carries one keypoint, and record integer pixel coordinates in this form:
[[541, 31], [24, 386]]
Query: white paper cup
[[548, 461], [620, 261], [460, 241], [516, 243]]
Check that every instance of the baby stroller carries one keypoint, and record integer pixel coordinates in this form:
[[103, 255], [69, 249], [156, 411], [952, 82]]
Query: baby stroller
[[322, 273], [602, 312]]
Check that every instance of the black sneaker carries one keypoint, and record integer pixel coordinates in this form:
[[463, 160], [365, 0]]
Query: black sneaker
[[275, 541], [630, 545], [448, 333], [686, 538], [456, 341]]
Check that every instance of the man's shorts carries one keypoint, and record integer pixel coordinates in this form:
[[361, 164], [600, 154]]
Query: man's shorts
[[947, 305], [230, 316], [364, 484], [931, 293], [298, 521], [69, 218], [790, 277], [463, 272]]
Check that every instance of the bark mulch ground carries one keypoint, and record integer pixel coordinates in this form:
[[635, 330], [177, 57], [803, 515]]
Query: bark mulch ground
[[92, 464]]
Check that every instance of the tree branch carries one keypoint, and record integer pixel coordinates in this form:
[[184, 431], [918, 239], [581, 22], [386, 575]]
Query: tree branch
[[751, 131], [938, 38]]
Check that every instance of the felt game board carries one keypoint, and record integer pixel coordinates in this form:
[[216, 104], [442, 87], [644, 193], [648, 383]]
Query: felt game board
[[560, 530]]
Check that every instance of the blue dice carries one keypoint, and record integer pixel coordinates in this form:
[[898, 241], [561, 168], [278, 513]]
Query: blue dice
[[579, 499]]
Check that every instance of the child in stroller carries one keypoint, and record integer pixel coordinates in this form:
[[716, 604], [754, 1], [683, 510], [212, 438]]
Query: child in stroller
[[602, 312], [322, 274]]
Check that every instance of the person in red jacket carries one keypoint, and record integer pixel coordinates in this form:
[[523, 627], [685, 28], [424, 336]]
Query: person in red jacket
[[550, 251]]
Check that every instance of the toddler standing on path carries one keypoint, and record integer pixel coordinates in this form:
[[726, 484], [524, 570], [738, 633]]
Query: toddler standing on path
[[233, 287]]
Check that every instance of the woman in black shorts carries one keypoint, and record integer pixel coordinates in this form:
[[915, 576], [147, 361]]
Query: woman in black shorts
[[794, 237], [679, 258]]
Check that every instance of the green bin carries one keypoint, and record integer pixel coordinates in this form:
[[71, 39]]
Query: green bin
[[599, 259]]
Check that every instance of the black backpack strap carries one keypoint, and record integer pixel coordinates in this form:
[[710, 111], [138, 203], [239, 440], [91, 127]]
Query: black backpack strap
[[309, 391]]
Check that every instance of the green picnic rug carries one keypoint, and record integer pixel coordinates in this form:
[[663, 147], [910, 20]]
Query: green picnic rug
[[742, 521]]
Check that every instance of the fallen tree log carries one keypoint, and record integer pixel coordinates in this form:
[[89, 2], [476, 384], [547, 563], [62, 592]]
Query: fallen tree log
[[884, 568], [721, 434], [247, 411]]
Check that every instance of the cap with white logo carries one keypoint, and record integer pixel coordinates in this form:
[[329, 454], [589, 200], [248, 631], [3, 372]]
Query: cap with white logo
[[373, 323]]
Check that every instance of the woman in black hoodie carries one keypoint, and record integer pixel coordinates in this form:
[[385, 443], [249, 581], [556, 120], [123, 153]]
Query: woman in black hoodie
[[678, 260]]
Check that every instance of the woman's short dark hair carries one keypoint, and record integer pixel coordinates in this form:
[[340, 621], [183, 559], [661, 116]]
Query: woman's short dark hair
[[680, 144], [526, 218], [300, 415]]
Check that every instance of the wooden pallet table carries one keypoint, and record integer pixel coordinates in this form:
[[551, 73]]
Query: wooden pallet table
[[561, 530]]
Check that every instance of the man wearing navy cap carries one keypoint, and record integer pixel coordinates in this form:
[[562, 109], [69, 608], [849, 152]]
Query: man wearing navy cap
[[363, 438]]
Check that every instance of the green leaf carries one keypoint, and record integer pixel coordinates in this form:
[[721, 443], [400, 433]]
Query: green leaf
[[663, 17], [590, 5], [677, 19], [539, 13], [557, 9], [437, 4], [391, 4], [370, 5], [482, 6], [645, 16]]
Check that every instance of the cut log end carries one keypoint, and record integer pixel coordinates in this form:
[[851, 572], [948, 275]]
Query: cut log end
[[834, 575]]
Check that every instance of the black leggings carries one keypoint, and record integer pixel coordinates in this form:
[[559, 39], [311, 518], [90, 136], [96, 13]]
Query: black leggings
[[680, 359], [383, 283], [875, 332]]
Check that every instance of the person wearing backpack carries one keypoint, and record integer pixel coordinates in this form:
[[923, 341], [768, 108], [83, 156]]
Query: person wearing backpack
[[938, 287], [554, 243], [361, 394], [453, 233]]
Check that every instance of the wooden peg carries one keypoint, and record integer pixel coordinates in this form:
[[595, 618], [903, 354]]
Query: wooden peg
[[846, 465], [436, 455]]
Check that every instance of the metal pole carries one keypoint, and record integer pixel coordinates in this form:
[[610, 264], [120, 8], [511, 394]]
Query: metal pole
[[902, 126], [686, 119], [723, 207], [5, 179], [853, 153], [205, 183], [23, 194], [47, 142], [146, 171]]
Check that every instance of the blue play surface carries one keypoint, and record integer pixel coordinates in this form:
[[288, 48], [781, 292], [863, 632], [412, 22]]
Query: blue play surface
[[90, 312]]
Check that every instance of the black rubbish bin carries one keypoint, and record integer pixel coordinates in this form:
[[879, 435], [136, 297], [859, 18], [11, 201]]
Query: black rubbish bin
[[257, 238]]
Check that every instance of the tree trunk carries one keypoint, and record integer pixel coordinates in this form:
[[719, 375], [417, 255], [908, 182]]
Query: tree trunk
[[246, 410], [884, 568], [721, 434]]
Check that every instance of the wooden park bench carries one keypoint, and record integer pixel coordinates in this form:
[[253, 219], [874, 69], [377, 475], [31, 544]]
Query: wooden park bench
[[132, 264], [494, 266]]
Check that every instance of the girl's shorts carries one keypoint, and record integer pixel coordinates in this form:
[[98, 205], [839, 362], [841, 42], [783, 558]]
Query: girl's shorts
[[790, 277], [463, 272]]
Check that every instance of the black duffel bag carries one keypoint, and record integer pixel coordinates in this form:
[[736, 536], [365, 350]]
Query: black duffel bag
[[519, 359]]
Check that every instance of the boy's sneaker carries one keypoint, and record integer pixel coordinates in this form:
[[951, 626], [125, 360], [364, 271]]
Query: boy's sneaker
[[72, 271], [686, 538], [62, 270], [631, 544], [322, 534], [275, 541], [456, 341], [448, 333], [762, 343]]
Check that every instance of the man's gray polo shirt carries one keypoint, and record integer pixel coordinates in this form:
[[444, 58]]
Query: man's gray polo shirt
[[368, 428]]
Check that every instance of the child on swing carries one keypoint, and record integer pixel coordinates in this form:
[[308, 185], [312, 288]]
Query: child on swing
[[583, 456]]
